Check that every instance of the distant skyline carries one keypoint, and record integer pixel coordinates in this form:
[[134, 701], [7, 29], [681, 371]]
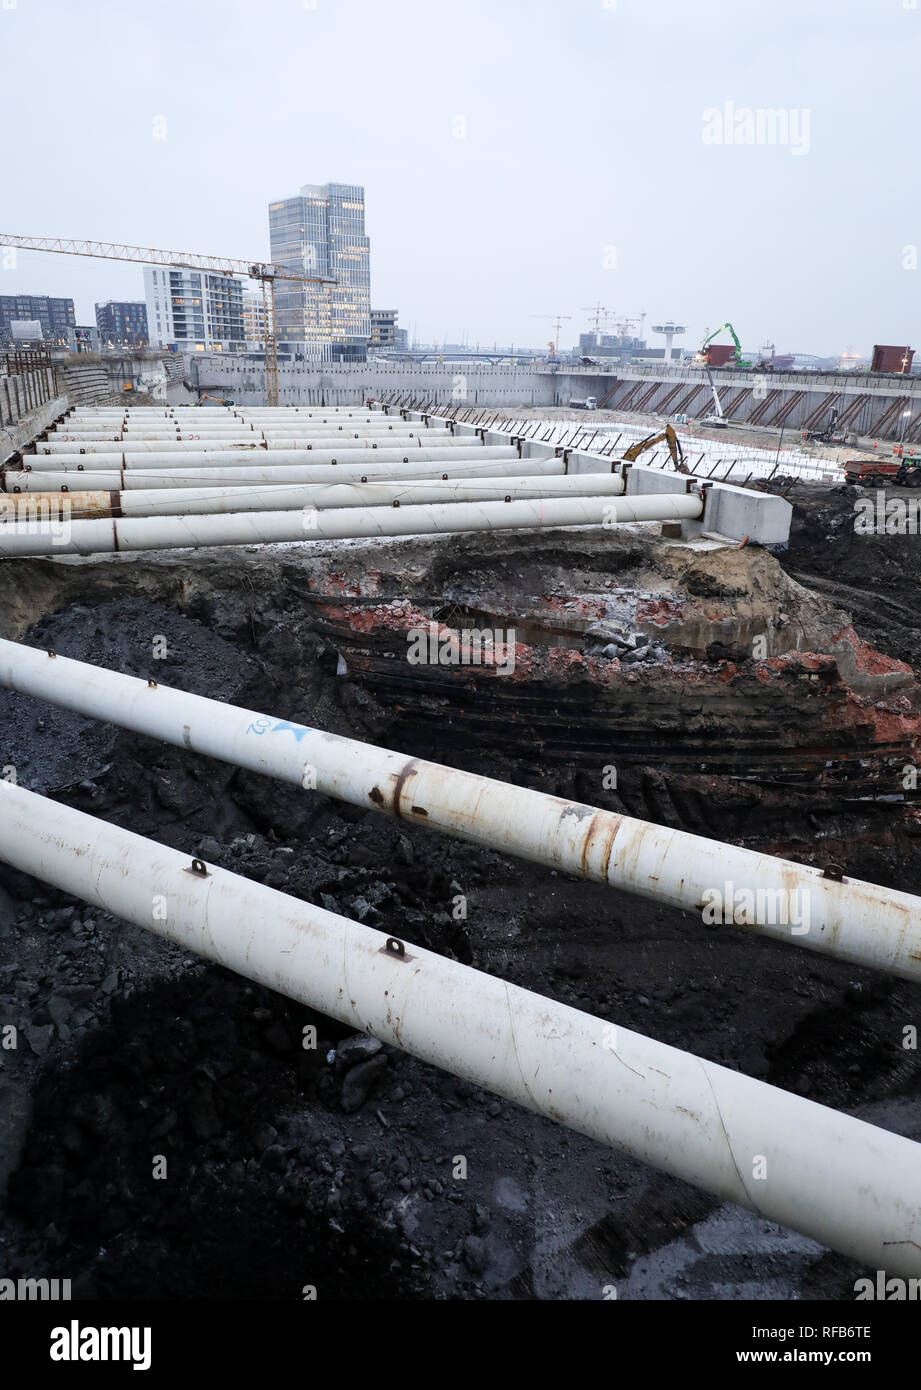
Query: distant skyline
[[520, 158]]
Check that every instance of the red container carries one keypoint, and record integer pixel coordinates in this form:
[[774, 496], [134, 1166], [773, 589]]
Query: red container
[[718, 354], [891, 359]]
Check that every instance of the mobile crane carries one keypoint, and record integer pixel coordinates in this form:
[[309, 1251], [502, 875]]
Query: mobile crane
[[740, 360]]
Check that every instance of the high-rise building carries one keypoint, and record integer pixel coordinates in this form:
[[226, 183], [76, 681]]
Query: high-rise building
[[321, 231], [194, 310], [122, 323], [56, 317]]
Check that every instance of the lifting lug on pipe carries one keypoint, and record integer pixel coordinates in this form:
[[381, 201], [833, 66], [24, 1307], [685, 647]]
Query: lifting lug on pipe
[[197, 868]]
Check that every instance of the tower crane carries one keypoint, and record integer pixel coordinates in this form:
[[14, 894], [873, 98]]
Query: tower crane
[[598, 313], [558, 320], [263, 272]]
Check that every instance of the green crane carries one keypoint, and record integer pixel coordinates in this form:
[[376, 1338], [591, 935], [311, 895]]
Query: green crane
[[740, 361]]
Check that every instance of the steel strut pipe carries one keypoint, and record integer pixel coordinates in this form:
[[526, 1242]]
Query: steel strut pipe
[[847, 1184], [36, 507], [192, 443], [263, 528], [234, 421], [225, 419], [167, 478], [218, 416], [221, 412], [278, 458], [849, 919], [240, 431]]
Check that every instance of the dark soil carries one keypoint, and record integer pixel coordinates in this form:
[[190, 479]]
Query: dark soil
[[164, 1132]]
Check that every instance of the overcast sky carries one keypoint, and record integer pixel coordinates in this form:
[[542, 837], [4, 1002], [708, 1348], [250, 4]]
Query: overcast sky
[[520, 157]]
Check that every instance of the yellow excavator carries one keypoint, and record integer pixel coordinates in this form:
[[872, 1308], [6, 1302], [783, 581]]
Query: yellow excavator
[[651, 440]]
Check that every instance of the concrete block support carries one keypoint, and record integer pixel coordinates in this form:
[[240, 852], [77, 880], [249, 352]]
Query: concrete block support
[[741, 514], [644, 480]]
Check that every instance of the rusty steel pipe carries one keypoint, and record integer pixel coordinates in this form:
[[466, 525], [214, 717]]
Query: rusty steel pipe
[[849, 919], [850, 1185]]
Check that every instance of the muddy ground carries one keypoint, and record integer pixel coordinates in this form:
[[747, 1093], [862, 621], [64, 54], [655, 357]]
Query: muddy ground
[[337, 1167]]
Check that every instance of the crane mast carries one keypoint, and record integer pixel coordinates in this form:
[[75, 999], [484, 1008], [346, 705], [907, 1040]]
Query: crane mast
[[263, 272]]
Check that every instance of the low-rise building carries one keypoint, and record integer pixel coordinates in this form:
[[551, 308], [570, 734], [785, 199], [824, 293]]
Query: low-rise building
[[55, 315], [122, 323]]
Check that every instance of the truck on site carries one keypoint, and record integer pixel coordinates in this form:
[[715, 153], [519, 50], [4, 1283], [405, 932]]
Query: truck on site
[[586, 403], [878, 472]]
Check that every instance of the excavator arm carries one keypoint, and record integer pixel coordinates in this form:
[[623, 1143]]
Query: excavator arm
[[670, 438]]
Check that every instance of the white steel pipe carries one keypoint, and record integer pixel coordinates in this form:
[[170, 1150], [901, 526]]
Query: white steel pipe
[[265, 528], [37, 507], [365, 471], [189, 443], [228, 413], [153, 412], [842, 1182], [248, 458], [849, 919], [229, 416], [231, 459], [356, 429]]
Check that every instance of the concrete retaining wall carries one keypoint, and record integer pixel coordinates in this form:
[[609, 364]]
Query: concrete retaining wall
[[869, 406], [436, 383], [101, 381], [22, 392], [872, 406], [16, 436]]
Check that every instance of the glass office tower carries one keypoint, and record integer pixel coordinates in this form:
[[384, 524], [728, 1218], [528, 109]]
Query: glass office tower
[[321, 231]]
